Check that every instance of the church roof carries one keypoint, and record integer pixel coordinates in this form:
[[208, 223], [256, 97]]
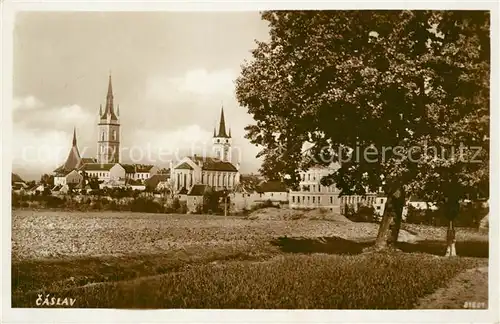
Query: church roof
[[222, 126], [88, 160], [185, 166], [213, 164], [109, 109], [73, 161], [97, 166]]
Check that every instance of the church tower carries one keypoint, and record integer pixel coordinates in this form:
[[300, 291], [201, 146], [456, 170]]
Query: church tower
[[108, 143], [222, 140]]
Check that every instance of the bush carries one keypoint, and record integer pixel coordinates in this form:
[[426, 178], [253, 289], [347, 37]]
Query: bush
[[469, 216], [54, 202], [145, 205], [362, 214], [182, 208]]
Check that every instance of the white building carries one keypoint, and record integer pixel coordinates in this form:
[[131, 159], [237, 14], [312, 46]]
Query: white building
[[312, 194]]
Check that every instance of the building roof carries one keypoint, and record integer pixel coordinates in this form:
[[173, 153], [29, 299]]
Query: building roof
[[88, 160], [154, 180], [272, 186], [16, 178], [183, 191], [136, 168], [213, 164], [143, 167], [185, 166], [129, 168], [198, 190], [97, 166], [249, 182], [19, 185]]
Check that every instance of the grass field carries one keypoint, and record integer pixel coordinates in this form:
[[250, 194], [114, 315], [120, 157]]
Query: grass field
[[135, 260]]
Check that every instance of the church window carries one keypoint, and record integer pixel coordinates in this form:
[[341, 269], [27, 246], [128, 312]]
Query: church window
[[227, 141], [218, 140], [102, 136], [114, 135]]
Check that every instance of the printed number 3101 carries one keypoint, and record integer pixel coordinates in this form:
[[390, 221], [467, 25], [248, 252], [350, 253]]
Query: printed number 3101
[[475, 305]]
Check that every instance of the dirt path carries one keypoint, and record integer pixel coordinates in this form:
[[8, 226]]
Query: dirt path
[[467, 290]]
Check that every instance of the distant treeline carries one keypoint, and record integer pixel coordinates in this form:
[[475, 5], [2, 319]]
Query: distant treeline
[[118, 202]]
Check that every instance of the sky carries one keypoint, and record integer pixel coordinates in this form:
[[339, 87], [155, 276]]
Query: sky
[[171, 74]]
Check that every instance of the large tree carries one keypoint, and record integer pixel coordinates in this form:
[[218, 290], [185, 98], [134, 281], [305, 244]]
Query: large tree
[[365, 87]]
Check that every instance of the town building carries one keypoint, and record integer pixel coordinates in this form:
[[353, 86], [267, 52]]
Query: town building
[[312, 194], [158, 182], [218, 171], [194, 198]]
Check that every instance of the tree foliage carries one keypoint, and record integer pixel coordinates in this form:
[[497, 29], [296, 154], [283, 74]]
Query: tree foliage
[[366, 88]]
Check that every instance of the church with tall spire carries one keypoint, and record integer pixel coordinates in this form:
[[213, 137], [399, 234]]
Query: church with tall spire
[[108, 142], [194, 173], [222, 140]]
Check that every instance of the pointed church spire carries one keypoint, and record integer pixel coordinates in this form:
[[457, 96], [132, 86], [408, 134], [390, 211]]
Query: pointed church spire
[[100, 110], [214, 132], [109, 110], [229, 131], [110, 87], [118, 110], [222, 124], [74, 136]]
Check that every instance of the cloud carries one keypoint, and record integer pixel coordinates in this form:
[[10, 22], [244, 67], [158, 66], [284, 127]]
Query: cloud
[[199, 83], [26, 103], [32, 113], [40, 150], [42, 134], [160, 147]]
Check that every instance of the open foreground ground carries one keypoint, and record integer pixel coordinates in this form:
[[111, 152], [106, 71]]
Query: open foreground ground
[[135, 260]]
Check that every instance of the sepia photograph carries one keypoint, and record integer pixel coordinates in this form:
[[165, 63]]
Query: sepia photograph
[[269, 159]]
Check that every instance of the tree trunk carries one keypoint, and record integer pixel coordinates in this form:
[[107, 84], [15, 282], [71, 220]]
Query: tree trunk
[[385, 224], [393, 210], [452, 206], [450, 240], [398, 205]]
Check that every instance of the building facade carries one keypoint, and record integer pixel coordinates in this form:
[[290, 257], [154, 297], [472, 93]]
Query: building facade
[[312, 194]]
